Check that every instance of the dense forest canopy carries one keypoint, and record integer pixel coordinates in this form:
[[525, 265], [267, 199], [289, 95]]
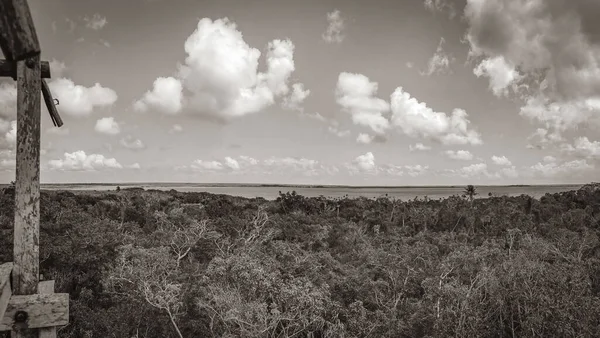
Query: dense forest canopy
[[169, 264]]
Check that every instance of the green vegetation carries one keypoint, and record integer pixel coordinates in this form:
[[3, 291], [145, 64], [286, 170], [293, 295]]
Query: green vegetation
[[169, 264]]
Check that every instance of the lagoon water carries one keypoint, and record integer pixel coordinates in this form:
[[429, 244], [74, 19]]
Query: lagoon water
[[272, 192]]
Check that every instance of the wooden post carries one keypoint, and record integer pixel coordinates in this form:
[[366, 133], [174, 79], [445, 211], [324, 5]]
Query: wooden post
[[23, 310], [18, 38], [27, 187]]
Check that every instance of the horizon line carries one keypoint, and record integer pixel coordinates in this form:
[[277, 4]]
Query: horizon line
[[297, 185]]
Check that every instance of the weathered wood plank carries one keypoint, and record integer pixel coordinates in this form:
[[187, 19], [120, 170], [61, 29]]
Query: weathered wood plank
[[25, 274], [5, 287], [47, 287], [18, 38], [50, 105], [5, 270], [42, 311], [9, 69]]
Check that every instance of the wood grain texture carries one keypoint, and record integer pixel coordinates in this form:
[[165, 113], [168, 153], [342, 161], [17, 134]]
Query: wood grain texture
[[43, 311], [5, 287], [9, 69], [25, 275], [54, 116], [18, 38], [47, 287]]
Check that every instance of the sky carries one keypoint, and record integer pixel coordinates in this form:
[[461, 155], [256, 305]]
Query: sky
[[385, 92]]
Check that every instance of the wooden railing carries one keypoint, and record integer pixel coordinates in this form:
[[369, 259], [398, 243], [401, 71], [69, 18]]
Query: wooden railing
[[28, 307]]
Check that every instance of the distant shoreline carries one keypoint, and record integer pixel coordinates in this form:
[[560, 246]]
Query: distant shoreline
[[259, 185]]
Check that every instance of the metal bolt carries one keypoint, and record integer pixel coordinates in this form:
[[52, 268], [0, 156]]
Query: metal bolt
[[21, 316]]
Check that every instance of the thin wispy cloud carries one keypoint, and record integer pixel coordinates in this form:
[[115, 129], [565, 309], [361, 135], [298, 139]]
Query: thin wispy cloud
[[95, 22], [440, 62], [335, 28]]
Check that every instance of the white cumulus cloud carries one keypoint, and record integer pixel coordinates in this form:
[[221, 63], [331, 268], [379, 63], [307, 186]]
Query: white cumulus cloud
[[76, 100], [221, 74], [107, 125], [365, 162], [80, 161], [415, 119], [355, 93], [165, 96]]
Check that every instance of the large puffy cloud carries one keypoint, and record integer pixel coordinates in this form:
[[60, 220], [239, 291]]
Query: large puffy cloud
[[220, 70], [415, 119], [166, 95], [220, 77], [355, 93], [550, 48], [77, 100], [80, 161], [335, 27]]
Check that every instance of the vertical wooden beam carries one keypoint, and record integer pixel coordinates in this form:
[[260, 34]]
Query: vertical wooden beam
[[27, 186]]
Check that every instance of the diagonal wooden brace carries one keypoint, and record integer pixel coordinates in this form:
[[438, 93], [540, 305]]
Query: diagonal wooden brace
[[5, 289], [56, 120]]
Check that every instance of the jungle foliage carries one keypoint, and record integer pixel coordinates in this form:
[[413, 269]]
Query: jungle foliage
[[170, 264]]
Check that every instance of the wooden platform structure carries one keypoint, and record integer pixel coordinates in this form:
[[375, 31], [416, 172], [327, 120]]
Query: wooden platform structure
[[28, 307]]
